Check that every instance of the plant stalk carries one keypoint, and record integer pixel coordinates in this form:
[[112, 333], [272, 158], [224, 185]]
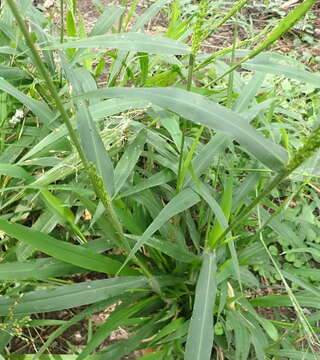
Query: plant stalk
[[185, 123], [124, 4], [274, 183], [61, 31], [42, 70], [311, 145]]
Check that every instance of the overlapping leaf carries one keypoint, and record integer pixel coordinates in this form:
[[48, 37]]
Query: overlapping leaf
[[205, 112]]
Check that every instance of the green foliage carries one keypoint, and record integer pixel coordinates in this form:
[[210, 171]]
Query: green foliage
[[133, 174]]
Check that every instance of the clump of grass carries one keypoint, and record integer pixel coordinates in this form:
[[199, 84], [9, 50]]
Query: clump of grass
[[181, 215]]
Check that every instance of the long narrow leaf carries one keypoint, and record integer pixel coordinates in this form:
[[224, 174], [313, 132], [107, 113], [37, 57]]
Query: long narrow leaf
[[115, 319], [181, 202], [202, 111], [42, 269], [98, 111], [39, 108], [271, 67], [72, 254], [137, 42], [200, 334], [128, 161], [149, 14], [69, 296], [281, 28], [94, 148]]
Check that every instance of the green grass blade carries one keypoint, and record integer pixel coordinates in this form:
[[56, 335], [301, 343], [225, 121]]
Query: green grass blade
[[94, 148], [293, 354], [85, 293], [98, 111], [305, 299], [114, 106], [12, 73], [281, 228], [15, 171], [128, 161], [99, 306], [40, 109], [167, 247], [186, 165], [203, 160], [281, 28], [69, 296], [43, 38], [63, 212], [115, 319], [205, 112], [205, 193], [247, 187], [91, 141], [149, 14], [122, 348], [136, 42], [271, 67], [72, 254], [200, 335], [249, 92], [160, 178], [42, 269], [53, 357], [181, 202], [109, 17], [240, 4], [226, 205], [302, 284], [241, 335]]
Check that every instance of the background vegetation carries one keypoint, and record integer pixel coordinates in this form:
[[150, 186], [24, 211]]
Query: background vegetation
[[159, 176]]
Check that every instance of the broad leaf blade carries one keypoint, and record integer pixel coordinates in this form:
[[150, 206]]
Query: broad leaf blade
[[116, 319], [181, 202], [42, 269], [137, 42], [205, 112], [149, 14], [69, 296], [72, 254], [271, 67], [109, 17], [128, 161], [280, 29], [15, 171], [94, 148], [200, 335], [40, 109]]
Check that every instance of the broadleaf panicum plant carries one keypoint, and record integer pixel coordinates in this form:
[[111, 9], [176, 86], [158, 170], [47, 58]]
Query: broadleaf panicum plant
[[173, 193]]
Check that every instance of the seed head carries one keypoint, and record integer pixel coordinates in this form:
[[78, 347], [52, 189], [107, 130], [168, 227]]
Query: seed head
[[199, 31], [311, 145]]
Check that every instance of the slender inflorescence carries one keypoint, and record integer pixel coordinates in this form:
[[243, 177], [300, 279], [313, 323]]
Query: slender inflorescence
[[199, 32], [311, 145]]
